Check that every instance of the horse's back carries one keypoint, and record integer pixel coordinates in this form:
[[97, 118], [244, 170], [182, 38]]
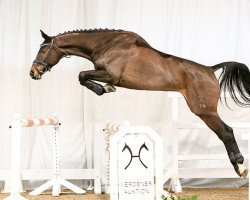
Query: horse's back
[[134, 64]]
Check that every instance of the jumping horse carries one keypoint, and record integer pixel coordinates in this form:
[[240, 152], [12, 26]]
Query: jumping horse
[[125, 59]]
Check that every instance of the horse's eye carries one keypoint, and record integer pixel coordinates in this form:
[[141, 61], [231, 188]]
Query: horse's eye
[[42, 50]]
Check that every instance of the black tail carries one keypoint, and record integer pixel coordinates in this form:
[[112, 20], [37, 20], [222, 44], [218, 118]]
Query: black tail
[[235, 78]]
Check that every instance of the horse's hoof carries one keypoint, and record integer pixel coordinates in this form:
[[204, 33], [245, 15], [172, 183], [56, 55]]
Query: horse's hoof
[[242, 170], [245, 173], [109, 88]]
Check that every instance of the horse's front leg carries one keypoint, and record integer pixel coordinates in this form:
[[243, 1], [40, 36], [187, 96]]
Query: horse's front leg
[[87, 79]]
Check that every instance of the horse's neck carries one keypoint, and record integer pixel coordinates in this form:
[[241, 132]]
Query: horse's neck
[[79, 44]]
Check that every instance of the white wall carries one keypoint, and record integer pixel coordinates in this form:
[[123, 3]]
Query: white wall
[[208, 32]]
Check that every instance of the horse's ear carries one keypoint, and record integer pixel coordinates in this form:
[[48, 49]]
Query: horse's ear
[[45, 36]]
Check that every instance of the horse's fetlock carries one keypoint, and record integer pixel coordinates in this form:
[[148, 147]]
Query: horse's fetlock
[[236, 158], [239, 158], [232, 157]]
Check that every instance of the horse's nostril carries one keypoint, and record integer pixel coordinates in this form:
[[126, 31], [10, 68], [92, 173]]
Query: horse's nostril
[[37, 77], [32, 75]]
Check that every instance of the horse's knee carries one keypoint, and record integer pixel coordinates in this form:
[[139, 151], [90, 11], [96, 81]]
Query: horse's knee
[[82, 76]]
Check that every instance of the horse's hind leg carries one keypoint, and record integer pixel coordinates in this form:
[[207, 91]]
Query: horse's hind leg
[[202, 101], [86, 79], [226, 135]]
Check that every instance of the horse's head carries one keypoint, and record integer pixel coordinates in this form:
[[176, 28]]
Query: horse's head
[[48, 55]]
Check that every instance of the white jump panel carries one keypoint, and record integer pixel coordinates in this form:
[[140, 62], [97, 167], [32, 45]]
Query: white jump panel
[[136, 164]]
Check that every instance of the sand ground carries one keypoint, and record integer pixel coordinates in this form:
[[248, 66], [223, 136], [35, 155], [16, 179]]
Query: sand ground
[[202, 194]]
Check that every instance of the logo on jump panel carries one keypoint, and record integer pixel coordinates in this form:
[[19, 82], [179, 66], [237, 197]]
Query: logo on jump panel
[[144, 146]]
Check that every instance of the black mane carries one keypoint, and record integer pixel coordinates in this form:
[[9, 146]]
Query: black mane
[[89, 31]]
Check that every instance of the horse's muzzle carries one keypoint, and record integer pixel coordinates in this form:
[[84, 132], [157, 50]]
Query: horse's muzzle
[[34, 73]]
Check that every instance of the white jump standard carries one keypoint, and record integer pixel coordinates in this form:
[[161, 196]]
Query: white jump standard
[[15, 175], [56, 182], [109, 131]]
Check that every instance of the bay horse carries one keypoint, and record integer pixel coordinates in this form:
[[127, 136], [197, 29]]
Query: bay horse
[[124, 59]]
